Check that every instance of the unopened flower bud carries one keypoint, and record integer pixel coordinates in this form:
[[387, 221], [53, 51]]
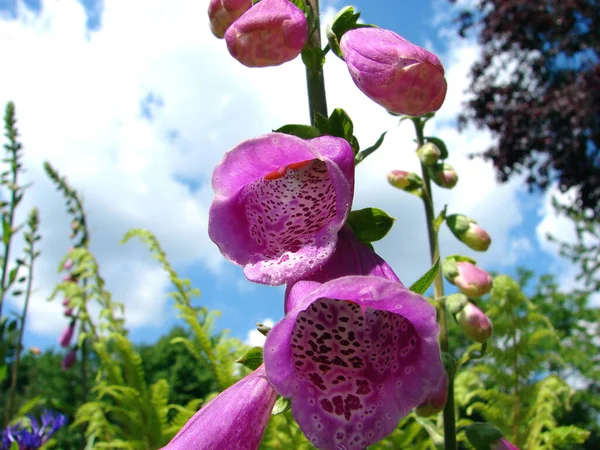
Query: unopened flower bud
[[470, 279], [35, 351], [66, 301], [469, 232], [68, 264], [436, 401], [444, 175], [68, 360], [68, 312], [407, 181], [271, 33], [393, 72], [503, 444], [429, 153], [222, 13], [475, 324]]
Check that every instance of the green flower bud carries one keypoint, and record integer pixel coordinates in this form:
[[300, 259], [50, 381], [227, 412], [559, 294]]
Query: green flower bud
[[429, 154]]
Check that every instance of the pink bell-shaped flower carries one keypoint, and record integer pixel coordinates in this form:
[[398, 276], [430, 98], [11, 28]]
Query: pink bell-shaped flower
[[222, 13]]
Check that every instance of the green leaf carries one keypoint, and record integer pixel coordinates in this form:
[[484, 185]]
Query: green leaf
[[370, 224], [313, 58], [439, 144], [12, 275], [301, 4], [422, 284], [282, 405], [366, 152], [334, 43], [481, 435], [338, 124], [302, 131], [252, 358], [6, 231], [439, 220]]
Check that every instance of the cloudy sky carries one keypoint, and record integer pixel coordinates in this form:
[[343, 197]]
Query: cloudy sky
[[135, 102]]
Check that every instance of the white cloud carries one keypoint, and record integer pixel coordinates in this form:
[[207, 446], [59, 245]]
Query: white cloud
[[255, 338]]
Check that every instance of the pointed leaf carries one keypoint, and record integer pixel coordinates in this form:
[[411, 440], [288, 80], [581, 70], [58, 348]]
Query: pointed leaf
[[422, 284], [370, 224]]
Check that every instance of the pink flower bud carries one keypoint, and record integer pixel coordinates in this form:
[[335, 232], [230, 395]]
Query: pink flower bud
[[398, 75], [475, 324], [503, 444], [444, 175], [436, 401], [407, 181], [270, 33], [68, 312], [67, 334], [469, 232], [471, 280], [429, 153], [68, 360], [68, 264], [35, 351], [222, 13]]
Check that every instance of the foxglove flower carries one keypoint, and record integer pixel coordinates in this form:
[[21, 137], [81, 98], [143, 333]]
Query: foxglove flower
[[279, 204], [67, 334], [351, 257], [475, 324], [469, 232], [436, 401], [355, 356], [235, 419], [393, 72], [68, 360], [470, 279], [222, 13], [271, 33]]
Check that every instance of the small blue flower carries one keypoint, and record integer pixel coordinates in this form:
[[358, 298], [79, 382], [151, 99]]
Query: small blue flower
[[36, 434]]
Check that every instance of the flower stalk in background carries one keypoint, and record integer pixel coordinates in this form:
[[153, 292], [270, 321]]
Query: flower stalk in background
[[234, 419], [222, 13], [270, 33], [355, 356], [279, 204], [469, 232], [69, 359], [393, 72]]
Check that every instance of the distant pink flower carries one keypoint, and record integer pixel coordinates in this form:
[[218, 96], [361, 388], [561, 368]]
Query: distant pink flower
[[235, 419], [393, 72], [67, 334], [222, 13], [68, 265], [355, 356], [68, 360], [279, 204], [271, 33]]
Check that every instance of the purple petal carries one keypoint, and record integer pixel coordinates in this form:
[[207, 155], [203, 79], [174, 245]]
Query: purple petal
[[356, 355], [351, 257], [235, 419], [279, 203]]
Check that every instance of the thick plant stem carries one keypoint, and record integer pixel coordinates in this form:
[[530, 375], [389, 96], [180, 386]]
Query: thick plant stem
[[438, 289], [315, 82]]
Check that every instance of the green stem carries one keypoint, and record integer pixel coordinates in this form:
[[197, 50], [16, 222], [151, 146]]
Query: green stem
[[438, 288], [15, 371], [315, 81]]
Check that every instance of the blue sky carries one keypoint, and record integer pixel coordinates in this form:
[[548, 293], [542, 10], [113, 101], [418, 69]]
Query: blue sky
[[136, 101]]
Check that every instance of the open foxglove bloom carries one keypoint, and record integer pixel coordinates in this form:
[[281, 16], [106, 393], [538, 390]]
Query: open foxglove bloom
[[351, 257], [279, 204], [271, 33], [222, 13], [355, 356], [393, 72], [234, 419]]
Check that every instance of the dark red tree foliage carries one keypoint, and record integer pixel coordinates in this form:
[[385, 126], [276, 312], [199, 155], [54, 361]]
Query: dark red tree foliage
[[537, 89]]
